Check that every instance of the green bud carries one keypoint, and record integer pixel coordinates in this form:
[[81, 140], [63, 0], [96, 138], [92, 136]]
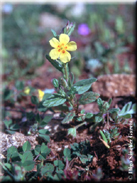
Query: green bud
[[63, 82], [55, 83]]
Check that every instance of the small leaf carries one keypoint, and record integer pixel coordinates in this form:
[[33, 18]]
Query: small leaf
[[7, 123], [67, 153], [45, 137], [88, 97], [113, 110], [68, 117], [54, 33], [88, 115], [47, 169], [59, 164], [44, 131], [55, 83], [14, 127], [55, 63], [47, 118], [19, 85], [27, 156], [44, 150], [28, 165], [34, 100], [72, 131], [84, 85], [26, 146], [103, 136], [53, 101], [11, 151]]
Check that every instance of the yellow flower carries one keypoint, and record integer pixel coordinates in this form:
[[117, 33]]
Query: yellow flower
[[40, 94], [61, 48], [27, 90]]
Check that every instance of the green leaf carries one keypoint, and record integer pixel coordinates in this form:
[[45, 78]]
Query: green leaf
[[126, 107], [38, 118], [44, 150], [44, 131], [54, 33], [100, 103], [7, 123], [59, 164], [125, 115], [84, 159], [103, 136], [26, 146], [88, 97], [72, 131], [68, 117], [11, 151], [55, 83], [84, 85], [113, 110], [88, 115], [27, 156], [7, 94], [14, 127], [47, 169], [34, 100], [98, 119], [53, 101], [45, 137], [55, 63], [37, 149], [67, 154], [30, 115], [28, 165], [19, 85], [47, 118]]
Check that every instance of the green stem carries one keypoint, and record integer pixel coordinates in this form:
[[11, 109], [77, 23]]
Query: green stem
[[84, 123], [7, 171], [66, 71]]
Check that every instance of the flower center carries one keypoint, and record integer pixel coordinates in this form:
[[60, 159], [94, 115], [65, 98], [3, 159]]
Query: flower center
[[62, 48]]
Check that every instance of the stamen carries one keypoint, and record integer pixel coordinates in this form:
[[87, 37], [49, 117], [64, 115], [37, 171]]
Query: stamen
[[63, 51]]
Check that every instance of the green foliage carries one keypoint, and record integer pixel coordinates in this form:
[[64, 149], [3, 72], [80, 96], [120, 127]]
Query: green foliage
[[82, 150], [88, 97], [11, 128], [67, 154], [53, 101], [83, 85], [68, 118], [56, 63]]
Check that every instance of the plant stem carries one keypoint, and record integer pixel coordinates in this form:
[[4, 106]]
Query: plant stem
[[66, 71], [84, 123]]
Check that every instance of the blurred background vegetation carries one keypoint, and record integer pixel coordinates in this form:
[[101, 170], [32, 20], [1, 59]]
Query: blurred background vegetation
[[102, 33]]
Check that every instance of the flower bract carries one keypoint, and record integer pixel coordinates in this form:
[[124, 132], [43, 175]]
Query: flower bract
[[61, 48]]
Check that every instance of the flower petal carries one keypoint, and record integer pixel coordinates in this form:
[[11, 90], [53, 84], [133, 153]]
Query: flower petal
[[64, 38], [54, 54], [54, 42], [71, 46], [65, 57]]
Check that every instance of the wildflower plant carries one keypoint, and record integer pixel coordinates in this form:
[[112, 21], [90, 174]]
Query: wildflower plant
[[68, 92]]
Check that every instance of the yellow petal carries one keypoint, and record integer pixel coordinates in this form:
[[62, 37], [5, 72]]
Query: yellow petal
[[65, 57], [54, 54], [54, 42], [64, 38], [40, 94], [27, 90], [71, 46]]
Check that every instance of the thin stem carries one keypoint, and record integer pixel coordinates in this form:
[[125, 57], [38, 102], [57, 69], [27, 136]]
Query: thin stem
[[66, 71], [7, 170], [84, 123]]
